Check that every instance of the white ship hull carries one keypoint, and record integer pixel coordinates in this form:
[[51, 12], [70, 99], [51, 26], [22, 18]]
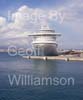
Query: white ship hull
[[46, 50], [44, 42]]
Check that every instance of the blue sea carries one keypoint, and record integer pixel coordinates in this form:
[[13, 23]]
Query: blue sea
[[40, 68]]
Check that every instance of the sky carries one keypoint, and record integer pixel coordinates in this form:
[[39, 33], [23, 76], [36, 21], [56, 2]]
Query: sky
[[18, 18]]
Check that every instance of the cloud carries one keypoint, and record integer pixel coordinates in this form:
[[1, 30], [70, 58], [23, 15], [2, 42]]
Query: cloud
[[73, 15], [73, 10], [2, 21], [26, 20]]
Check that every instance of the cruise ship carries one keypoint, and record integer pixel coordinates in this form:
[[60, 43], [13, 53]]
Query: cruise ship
[[44, 42]]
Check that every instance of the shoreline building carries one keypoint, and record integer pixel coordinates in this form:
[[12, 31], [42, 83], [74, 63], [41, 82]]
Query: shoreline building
[[44, 42]]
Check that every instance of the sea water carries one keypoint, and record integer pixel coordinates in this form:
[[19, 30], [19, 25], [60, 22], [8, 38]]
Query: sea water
[[39, 68]]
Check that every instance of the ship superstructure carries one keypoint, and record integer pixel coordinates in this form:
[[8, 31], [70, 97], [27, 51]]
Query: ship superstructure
[[44, 42]]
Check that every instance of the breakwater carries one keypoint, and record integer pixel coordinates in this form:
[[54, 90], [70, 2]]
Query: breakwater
[[65, 58]]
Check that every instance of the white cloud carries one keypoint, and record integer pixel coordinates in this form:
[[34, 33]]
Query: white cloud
[[73, 10], [2, 21], [25, 19]]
